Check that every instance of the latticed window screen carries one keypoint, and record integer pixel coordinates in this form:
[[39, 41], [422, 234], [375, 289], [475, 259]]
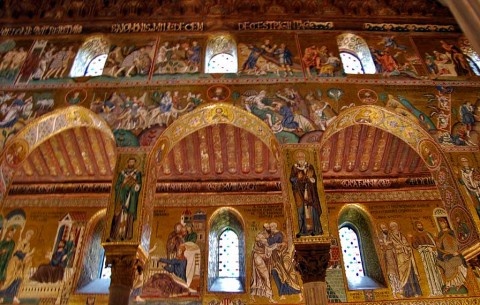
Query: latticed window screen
[[355, 54], [228, 254], [95, 67], [352, 259], [222, 63], [351, 63]]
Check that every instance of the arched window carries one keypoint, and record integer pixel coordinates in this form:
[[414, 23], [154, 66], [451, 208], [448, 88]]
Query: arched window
[[95, 67], [471, 56], [355, 54], [95, 276], [91, 58], [351, 62], [352, 258], [221, 55], [357, 246], [226, 257]]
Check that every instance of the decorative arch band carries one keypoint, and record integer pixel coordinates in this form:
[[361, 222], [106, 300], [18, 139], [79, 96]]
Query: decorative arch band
[[419, 140]]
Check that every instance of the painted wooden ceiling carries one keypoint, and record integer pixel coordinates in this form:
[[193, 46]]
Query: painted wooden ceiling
[[220, 153], [76, 155], [222, 14]]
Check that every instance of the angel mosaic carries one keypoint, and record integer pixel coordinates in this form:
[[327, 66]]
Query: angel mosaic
[[392, 58]]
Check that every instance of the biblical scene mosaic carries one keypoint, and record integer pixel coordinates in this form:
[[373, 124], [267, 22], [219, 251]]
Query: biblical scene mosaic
[[217, 157]]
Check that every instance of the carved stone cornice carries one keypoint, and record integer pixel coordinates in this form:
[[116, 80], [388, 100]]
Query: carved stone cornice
[[312, 261]]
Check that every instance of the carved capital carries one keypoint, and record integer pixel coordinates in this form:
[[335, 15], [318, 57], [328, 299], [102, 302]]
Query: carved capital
[[312, 261], [472, 256], [475, 264], [124, 259], [122, 270]]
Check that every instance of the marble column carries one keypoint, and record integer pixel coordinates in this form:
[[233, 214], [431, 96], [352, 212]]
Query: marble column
[[312, 262]]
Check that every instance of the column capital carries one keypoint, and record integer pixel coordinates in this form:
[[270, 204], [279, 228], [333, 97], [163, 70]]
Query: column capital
[[312, 261], [472, 256], [124, 259]]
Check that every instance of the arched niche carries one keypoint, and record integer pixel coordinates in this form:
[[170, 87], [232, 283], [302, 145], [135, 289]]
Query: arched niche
[[208, 115], [421, 142], [37, 132]]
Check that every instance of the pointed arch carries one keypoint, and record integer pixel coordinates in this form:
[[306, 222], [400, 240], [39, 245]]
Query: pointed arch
[[211, 114], [40, 130], [419, 140], [201, 117]]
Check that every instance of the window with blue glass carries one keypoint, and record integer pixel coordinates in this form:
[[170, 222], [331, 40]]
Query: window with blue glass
[[221, 54], [95, 67], [355, 54], [352, 258], [228, 254], [91, 57], [105, 271], [351, 63]]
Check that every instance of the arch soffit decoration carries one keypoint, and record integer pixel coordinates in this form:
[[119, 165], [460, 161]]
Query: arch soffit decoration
[[360, 208], [211, 114], [421, 142], [201, 117], [222, 210], [40, 130]]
